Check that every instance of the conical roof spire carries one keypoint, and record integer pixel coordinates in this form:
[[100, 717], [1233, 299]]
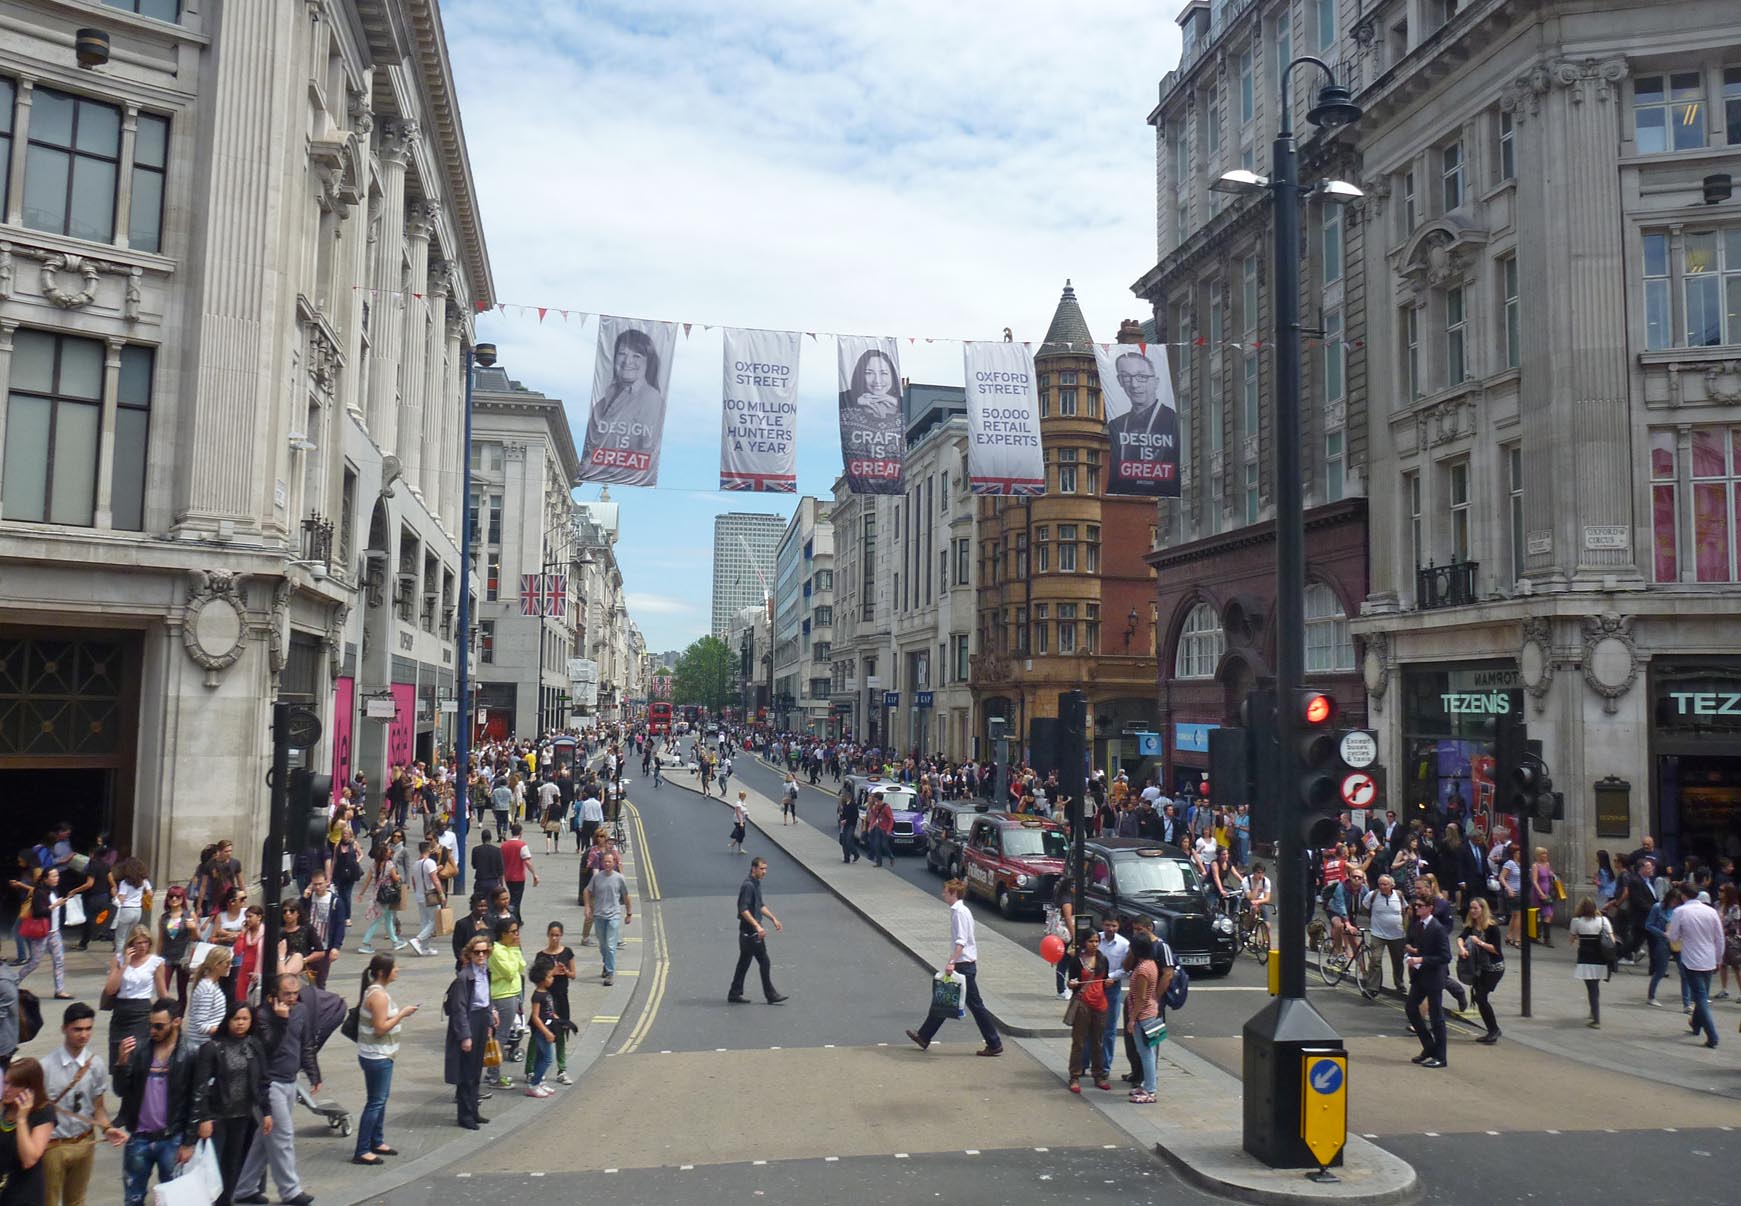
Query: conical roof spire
[[1068, 335]]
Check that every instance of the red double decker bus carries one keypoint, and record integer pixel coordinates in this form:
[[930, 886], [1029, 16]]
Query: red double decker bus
[[659, 719]]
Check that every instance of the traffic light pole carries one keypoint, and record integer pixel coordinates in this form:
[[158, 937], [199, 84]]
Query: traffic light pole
[[272, 869]]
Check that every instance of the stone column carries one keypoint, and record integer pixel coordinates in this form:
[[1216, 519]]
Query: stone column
[[419, 221], [105, 513], [387, 308], [352, 268], [437, 494], [454, 461], [20, 145], [234, 398]]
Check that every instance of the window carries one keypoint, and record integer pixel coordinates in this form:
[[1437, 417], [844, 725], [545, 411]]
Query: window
[[1066, 628], [162, 10], [493, 579], [1067, 474], [1181, 181], [1067, 548], [1410, 210], [8, 104], [1212, 399], [1514, 491], [487, 642], [1067, 403], [150, 163], [1732, 105], [1249, 394], [1411, 489], [1091, 475], [1042, 558], [1247, 88], [1042, 629], [1456, 363], [1021, 555], [72, 166], [1091, 550], [495, 526], [1253, 506], [1335, 356], [1325, 11], [1331, 241], [824, 579], [1021, 630], [54, 410], [1201, 644], [1334, 465], [1248, 294], [1513, 333], [1711, 284], [824, 616], [1459, 483], [963, 561], [1658, 322], [1067, 377], [962, 657], [1506, 159], [1664, 514], [1716, 465], [132, 429], [1329, 644], [1411, 336], [1451, 175], [1668, 112], [1284, 44]]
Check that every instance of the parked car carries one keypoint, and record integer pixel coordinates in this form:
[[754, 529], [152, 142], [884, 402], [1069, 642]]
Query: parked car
[[1135, 877], [946, 832], [909, 831], [1014, 861]]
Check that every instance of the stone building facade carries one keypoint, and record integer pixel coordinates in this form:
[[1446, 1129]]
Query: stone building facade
[[804, 619], [1554, 341], [238, 268], [1212, 296], [1064, 600]]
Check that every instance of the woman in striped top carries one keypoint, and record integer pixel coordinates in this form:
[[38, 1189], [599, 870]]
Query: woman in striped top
[[208, 1002]]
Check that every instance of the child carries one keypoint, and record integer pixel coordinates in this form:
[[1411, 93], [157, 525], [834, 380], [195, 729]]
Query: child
[[563, 956], [544, 1023]]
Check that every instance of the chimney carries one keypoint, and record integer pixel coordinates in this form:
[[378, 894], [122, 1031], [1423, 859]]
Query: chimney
[[1130, 331]]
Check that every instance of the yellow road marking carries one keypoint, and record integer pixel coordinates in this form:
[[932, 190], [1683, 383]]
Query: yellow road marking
[[656, 993], [607, 1018], [643, 859]]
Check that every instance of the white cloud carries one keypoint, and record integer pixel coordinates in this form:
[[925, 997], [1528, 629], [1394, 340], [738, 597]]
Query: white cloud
[[659, 605]]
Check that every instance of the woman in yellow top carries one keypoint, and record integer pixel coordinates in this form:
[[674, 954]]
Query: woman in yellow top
[[507, 971], [1223, 835]]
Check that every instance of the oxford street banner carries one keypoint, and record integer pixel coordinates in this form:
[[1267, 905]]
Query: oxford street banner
[[872, 442], [758, 445], [630, 379], [1142, 420], [1003, 420]]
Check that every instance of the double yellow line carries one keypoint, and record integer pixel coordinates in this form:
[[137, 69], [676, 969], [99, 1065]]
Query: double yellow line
[[655, 948]]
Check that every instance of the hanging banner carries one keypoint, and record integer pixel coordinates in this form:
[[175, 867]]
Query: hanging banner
[[1003, 420], [629, 380], [758, 444], [871, 438], [1142, 420]]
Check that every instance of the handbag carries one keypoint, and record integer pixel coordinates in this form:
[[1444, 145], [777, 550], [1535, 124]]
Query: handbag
[[74, 913], [1466, 970], [946, 995], [202, 1169], [1610, 952], [1153, 1030], [1073, 1011], [492, 1053], [33, 928], [352, 1026]]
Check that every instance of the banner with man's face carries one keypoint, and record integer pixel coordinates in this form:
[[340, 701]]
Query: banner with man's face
[[630, 380], [1142, 420]]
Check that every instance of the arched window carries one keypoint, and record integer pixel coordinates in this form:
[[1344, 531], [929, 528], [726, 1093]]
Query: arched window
[[1200, 644], [1329, 646]]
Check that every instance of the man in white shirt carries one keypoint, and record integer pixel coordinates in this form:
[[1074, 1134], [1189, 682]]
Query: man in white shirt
[[75, 1079], [963, 961], [1697, 929], [1385, 907], [1115, 946], [426, 889], [592, 815]]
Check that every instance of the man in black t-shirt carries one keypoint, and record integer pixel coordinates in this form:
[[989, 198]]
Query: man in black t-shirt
[[487, 868], [848, 816]]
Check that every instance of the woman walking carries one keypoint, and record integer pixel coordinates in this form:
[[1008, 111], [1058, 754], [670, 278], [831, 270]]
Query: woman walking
[[39, 921], [247, 948], [383, 888], [379, 1021], [97, 903], [1142, 1004], [208, 1002], [230, 1072], [130, 890], [1511, 890], [1542, 884], [177, 931], [26, 1123], [1086, 974], [1480, 944], [135, 980], [1589, 927]]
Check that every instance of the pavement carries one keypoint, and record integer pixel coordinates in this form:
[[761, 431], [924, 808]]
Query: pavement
[[1197, 1124], [420, 1110]]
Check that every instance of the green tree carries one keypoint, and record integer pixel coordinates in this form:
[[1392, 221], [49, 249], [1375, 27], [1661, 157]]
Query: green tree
[[704, 674]]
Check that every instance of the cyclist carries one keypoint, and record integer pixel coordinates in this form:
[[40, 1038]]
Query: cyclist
[[1258, 894], [1227, 881], [1338, 896]]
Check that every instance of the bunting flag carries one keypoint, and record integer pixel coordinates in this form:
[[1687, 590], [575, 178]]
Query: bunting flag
[[555, 594], [758, 443], [872, 442], [1003, 420], [531, 597], [630, 376], [1142, 420]]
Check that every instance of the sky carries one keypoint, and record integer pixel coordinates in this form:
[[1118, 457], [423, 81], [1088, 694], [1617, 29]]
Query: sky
[[912, 168]]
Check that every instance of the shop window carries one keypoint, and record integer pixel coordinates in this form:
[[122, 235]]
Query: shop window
[[1201, 644]]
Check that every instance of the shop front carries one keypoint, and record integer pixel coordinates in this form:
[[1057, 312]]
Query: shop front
[[1447, 767], [1695, 753], [1190, 757]]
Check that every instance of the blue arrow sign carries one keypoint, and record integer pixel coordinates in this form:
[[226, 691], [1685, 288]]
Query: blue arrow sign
[[1326, 1076]]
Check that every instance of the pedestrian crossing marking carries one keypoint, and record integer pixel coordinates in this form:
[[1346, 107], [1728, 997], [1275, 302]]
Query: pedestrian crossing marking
[[601, 1017]]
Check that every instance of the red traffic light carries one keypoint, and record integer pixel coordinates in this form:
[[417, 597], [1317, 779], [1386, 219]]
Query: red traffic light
[[1317, 708]]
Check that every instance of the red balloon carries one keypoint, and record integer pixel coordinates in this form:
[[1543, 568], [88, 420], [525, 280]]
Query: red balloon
[[1051, 948]]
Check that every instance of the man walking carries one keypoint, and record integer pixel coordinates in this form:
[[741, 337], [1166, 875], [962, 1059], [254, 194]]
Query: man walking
[[290, 1044], [1697, 929], [608, 908], [75, 1079], [430, 893], [1114, 946], [1431, 958], [516, 866], [1384, 908], [487, 866], [847, 815], [963, 959], [156, 1082], [753, 936]]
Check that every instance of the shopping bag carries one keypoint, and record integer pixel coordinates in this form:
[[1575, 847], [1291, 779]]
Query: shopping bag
[[947, 994], [444, 920], [183, 1191], [74, 911], [492, 1053], [199, 1182]]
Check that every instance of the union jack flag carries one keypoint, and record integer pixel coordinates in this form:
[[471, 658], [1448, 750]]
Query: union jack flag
[[529, 594], [556, 594]]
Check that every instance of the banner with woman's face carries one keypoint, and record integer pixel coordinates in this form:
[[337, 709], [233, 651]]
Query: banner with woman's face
[[872, 427], [630, 378]]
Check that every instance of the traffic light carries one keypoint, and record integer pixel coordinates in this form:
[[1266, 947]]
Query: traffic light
[[1263, 762], [306, 825], [1317, 766]]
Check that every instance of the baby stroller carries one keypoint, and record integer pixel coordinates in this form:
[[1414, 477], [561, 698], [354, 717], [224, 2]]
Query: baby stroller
[[329, 1014]]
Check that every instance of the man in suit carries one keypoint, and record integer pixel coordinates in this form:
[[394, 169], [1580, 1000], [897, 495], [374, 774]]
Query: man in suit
[[1145, 438], [1430, 947], [1639, 892]]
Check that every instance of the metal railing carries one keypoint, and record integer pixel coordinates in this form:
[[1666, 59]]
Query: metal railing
[[1450, 585]]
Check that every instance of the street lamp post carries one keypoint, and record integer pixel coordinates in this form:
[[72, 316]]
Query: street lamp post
[[483, 354], [1278, 1037]]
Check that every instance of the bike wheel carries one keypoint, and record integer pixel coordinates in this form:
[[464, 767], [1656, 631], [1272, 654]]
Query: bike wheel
[[1258, 942], [1331, 967], [1369, 970]]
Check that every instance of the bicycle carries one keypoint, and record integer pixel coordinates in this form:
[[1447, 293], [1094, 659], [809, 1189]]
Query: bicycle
[[1254, 932], [1361, 959]]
